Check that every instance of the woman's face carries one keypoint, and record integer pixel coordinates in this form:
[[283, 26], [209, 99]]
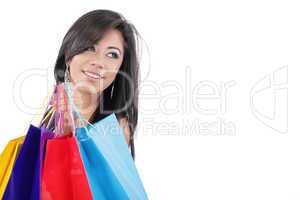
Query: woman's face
[[96, 68]]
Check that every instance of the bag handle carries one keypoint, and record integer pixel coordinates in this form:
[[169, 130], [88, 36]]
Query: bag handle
[[62, 112]]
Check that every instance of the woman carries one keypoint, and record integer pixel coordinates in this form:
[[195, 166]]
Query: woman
[[99, 54]]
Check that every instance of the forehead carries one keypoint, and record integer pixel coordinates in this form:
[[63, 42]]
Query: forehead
[[112, 37]]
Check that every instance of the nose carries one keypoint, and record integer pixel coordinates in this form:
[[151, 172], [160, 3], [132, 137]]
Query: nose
[[97, 64]]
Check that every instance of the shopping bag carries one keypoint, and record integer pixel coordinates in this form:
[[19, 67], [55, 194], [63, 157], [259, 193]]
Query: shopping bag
[[106, 157], [45, 136], [110, 168], [63, 175], [7, 160], [24, 182]]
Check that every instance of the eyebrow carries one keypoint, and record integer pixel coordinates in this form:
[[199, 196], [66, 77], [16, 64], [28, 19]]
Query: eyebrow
[[112, 47]]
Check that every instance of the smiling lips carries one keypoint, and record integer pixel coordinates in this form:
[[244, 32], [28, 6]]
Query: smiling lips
[[93, 75]]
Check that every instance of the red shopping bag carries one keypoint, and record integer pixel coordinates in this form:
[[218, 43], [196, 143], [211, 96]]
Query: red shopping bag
[[64, 176]]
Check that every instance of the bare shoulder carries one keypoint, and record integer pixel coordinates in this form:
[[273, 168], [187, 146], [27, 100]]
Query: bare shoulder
[[124, 124]]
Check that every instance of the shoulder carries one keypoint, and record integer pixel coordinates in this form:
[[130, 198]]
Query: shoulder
[[125, 126]]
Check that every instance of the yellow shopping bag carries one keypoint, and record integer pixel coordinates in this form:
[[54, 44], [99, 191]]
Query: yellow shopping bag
[[7, 159]]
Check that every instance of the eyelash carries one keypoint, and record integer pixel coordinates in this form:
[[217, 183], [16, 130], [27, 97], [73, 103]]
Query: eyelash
[[116, 56]]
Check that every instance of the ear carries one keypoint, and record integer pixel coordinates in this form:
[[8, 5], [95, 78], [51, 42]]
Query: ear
[[68, 62]]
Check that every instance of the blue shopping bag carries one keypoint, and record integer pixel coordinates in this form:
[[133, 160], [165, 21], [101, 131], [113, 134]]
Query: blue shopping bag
[[110, 168], [25, 179]]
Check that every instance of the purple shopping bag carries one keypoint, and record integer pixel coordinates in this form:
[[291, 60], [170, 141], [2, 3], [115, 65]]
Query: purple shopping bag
[[25, 179]]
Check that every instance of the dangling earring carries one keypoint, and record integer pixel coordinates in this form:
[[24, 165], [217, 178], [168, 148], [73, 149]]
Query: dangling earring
[[67, 73], [112, 90]]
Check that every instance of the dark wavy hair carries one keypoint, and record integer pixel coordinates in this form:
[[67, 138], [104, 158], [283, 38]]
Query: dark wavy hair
[[85, 33]]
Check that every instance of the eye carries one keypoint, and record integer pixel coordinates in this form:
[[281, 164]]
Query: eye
[[113, 55]]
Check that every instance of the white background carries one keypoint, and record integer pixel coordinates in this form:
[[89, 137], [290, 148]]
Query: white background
[[182, 151]]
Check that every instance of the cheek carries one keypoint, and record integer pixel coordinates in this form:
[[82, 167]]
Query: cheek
[[111, 75], [75, 67], [75, 73], [113, 70], [108, 81]]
